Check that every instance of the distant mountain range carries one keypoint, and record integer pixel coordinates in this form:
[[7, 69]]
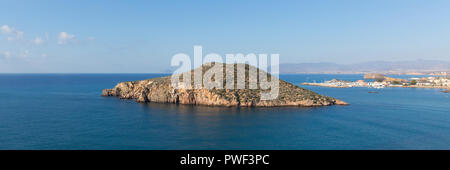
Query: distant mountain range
[[386, 67]]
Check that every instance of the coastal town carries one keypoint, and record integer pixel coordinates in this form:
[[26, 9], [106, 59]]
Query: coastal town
[[382, 81]]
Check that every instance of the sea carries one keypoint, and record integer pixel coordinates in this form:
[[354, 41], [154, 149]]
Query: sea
[[66, 111]]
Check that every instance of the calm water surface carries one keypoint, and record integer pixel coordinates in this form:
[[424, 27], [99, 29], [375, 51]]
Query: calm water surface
[[66, 111]]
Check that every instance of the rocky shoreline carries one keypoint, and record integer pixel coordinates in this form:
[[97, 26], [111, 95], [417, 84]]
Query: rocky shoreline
[[160, 90]]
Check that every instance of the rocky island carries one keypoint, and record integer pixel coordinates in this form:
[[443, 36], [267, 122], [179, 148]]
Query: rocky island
[[161, 90]]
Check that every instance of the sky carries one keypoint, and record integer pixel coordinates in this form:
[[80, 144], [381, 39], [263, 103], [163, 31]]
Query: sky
[[112, 36]]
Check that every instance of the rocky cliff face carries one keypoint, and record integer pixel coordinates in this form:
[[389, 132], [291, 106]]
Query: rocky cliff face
[[161, 90]]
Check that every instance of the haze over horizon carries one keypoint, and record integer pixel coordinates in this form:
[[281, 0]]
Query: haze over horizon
[[142, 36]]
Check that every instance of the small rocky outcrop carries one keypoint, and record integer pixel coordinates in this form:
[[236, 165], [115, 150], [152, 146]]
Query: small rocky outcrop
[[161, 90]]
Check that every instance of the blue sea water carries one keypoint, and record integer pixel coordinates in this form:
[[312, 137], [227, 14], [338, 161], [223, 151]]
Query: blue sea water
[[66, 111]]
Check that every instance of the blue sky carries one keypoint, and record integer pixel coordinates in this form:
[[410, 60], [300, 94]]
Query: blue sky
[[141, 36]]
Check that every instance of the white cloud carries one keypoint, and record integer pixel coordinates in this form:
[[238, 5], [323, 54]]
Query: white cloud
[[38, 41], [24, 54], [5, 55], [65, 37], [19, 34], [6, 29], [11, 32]]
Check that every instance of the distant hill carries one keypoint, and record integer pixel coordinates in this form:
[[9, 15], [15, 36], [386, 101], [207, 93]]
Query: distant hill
[[386, 67]]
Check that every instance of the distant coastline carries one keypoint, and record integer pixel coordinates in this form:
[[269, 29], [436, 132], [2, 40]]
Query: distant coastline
[[352, 73], [382, 81], [412, 67]]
